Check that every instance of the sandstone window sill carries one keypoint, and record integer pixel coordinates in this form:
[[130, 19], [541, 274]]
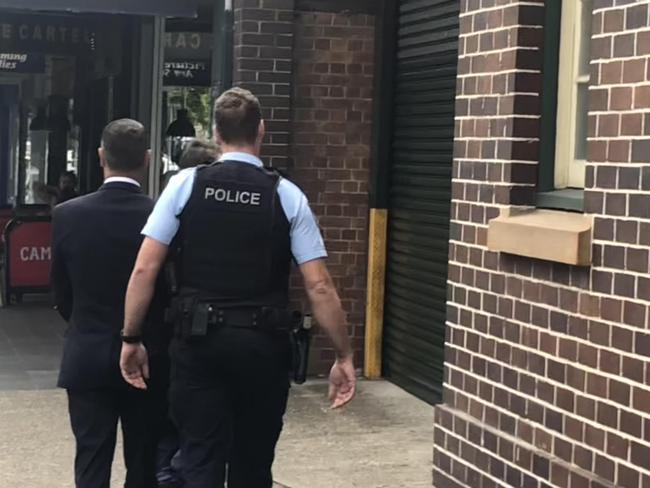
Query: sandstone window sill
[[551, 235]]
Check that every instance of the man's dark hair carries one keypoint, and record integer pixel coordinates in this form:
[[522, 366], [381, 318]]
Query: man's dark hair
[[237, 113], [199, 151], [125, 145]]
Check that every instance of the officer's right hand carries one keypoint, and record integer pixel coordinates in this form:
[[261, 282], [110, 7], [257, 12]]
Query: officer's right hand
[[343, 382], [134, 364]]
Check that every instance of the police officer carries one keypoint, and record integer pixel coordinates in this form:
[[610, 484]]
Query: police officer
[[239, 226]]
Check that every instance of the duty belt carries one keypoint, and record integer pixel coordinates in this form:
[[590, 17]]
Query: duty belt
[[258, 318], [193, 317]]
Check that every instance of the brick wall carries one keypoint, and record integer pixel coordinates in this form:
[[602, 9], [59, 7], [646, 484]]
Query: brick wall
[[262, 63], [546, 369], [331, 126]]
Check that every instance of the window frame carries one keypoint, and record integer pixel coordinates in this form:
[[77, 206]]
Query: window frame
[[569, 170], [562, 176]]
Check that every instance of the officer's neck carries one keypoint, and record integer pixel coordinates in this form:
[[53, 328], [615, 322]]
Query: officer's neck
[[247, 149]]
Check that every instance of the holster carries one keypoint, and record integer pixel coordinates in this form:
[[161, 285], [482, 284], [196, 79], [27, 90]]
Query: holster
[[189, 319], [300, 338]]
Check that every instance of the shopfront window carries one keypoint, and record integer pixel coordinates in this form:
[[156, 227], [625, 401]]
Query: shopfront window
[[187, 98], [61, 70], [51, 139]]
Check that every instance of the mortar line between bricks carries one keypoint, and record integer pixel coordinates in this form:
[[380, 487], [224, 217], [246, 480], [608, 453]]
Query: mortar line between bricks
[[552, 406], [501, 7], [555, 383], [460, 460], [519, 443], [494, 30], [554, 433], [593, 293], [451, 476], [622, 353]]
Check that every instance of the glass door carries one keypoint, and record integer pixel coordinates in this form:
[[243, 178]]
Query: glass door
[[9, 94]]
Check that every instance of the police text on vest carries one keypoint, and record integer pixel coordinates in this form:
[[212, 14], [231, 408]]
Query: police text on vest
[[241, 197]]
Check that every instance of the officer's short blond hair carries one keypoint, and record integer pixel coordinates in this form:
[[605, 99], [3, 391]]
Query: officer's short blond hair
[[238, 113]]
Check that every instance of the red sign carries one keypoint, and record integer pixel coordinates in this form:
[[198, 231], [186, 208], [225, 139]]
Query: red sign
[[29, 246]]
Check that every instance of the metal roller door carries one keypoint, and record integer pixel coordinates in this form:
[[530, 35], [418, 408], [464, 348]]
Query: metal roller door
[[419, 197]]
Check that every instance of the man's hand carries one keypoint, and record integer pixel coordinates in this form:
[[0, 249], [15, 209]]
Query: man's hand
[[342, 382], [134, 364]]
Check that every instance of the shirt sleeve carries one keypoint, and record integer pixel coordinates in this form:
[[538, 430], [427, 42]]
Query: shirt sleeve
[[306, 240], [163, 222]]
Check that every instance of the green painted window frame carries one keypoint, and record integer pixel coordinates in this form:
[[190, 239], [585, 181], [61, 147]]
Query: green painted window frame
[[547, 195]]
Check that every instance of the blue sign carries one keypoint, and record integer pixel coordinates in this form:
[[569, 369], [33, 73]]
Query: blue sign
[[22, 63]]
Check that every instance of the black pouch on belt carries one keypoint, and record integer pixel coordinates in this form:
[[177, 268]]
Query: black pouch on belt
[[183, 309], [200, 319]]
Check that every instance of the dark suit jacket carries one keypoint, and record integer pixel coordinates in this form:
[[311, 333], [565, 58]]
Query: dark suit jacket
[[95, 242]]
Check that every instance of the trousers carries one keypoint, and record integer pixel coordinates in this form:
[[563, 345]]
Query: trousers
[[94, 416], [228, 397]]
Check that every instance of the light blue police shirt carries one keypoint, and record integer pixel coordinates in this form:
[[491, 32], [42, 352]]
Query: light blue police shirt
[[306, 240]]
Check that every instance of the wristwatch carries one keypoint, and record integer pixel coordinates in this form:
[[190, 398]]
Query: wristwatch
[[135, 339]]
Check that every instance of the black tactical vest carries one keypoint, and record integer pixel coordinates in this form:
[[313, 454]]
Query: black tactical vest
[[235, 246]]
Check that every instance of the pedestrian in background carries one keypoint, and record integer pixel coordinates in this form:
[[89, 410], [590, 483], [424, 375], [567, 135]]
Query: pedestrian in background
[[197, 151]]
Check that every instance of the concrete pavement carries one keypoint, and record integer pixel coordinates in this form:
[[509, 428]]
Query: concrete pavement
[[382, 440]]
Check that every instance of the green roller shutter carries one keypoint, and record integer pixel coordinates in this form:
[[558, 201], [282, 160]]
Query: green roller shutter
[[419, 196]]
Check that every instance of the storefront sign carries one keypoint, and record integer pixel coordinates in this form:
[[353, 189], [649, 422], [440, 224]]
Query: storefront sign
[[187, 73], [188, 45], [45, 33], [170, 8], [30, 255], [22, 63]]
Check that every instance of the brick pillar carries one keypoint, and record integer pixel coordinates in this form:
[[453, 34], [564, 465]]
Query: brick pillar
[[332, 123], [263, 56]]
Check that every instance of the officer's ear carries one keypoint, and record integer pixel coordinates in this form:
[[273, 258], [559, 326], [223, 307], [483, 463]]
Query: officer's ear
[[147, 159], [102, 156], [261, 132], [217, 137]]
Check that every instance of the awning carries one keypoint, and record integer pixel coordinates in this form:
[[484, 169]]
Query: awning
[[167, 8]]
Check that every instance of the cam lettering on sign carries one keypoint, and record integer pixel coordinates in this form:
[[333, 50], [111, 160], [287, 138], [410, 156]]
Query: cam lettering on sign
[[35, 253], [241, 197]]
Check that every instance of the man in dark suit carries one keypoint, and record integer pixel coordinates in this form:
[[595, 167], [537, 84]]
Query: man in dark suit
[[95, 242]]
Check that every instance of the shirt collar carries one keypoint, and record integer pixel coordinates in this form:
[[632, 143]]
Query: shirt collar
[[241, 157], [121, 179]]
